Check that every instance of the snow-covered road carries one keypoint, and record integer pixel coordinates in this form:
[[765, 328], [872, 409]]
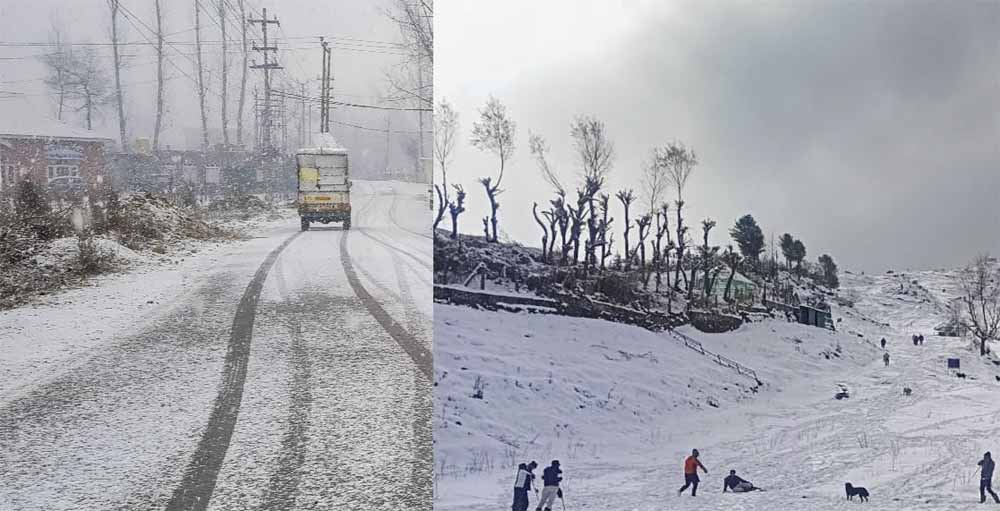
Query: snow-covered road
[[916, 452], [290, 371]]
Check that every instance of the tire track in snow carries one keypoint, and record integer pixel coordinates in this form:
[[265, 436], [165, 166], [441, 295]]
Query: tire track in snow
[[412, 346], [282, 486], [198, 483], [392, 218]]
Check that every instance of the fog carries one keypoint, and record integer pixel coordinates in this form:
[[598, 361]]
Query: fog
[[364, 43]]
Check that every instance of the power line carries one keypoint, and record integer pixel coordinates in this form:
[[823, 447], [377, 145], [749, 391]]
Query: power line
[[351, 105]]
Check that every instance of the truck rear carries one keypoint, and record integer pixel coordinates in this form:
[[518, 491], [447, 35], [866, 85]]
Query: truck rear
[[324, 186]]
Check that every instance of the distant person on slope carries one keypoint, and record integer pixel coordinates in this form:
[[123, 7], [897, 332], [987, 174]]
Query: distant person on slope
[[885, 358], [551, 476], [522, 485], [883, 343], [737, 484], [986, 479], [691, 465]]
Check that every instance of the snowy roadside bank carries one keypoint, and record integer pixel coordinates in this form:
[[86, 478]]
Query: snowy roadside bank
[[53, 333]]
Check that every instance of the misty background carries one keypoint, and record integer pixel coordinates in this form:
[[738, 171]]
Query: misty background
[[869, 130], [366, 49]]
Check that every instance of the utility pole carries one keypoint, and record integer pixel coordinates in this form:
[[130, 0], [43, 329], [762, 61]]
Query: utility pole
[[225, 87], [324, 114], [388, 130], [118, 74], [302, 118], [267, 66]]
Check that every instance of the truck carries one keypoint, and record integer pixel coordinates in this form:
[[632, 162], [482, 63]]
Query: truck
[[324, 192]]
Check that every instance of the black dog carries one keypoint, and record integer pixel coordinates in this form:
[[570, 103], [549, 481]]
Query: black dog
[[860, 491]]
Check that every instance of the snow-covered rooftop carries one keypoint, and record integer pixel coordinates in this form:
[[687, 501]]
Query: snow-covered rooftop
[[22, 126], [324, 143]]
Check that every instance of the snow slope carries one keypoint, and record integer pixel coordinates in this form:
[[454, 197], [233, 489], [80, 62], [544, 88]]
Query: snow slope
[[792, 437]]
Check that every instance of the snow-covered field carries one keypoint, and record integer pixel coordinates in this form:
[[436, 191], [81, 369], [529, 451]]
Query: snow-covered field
[[110, 393], [620, 408]]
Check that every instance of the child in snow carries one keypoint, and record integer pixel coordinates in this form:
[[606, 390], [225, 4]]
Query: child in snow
[[737, 484], [551, 477], [691, 465], [885, 358], [883, 343], [986, 479], [522, 485]]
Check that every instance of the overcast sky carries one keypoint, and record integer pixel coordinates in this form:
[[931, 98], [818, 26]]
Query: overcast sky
[[870, 130], [363, 52]]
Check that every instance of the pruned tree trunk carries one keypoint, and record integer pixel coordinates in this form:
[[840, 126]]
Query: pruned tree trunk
[[119, 97], [545, 232], [442, 207]]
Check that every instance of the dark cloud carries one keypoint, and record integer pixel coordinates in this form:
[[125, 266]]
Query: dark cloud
[[868, 129]]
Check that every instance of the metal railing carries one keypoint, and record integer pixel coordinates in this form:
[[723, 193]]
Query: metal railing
[[719, 359]]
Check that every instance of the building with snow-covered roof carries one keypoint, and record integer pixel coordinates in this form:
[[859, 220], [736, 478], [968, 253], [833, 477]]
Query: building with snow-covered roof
[[51, 153]]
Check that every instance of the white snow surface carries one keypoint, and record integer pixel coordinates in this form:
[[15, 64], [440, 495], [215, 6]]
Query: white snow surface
[[621, 407]]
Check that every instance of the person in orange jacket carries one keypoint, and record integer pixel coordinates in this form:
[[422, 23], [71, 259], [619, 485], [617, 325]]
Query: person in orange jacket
[[691, 465]]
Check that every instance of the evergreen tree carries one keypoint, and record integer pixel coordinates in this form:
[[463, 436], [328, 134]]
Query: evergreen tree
[[787, 242], [828, 269], [750, 238]]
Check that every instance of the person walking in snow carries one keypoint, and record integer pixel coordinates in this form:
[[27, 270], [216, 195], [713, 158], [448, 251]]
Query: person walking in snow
[[522, 485], [691, 465], [883, 343], [885, 358], [551, 477], [986, 479], [916, 339], [737, 484], [921, 339]]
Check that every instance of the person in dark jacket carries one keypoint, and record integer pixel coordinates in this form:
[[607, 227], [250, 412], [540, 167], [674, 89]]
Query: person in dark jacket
[[986, 479], [551, 477], [522, 485], [883, 343], [737, 484]]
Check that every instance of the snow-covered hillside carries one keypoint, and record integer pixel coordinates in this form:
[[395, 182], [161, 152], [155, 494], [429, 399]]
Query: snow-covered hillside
[[620, 407]]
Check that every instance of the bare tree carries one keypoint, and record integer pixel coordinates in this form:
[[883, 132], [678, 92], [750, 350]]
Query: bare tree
[[243, 82], [627, 197], [88, 83], [58, 64], [643, 223], [539, 150], [545, 231], [415, 19], [707, 254], [678, 162], [662, 228], [654, 183], [201, 75], [732, 260], [445, 128], [980, 286], [119, 99], [594, 150], [455, 208], [494, 132], [158, 123], [607, 242], [225, 69]]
